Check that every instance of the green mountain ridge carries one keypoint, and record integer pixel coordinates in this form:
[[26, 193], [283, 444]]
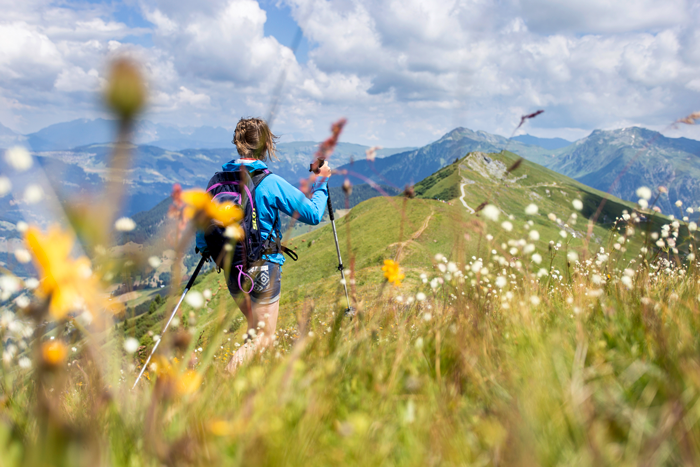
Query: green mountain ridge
[[639, 157], [443, 219], [412, 166]]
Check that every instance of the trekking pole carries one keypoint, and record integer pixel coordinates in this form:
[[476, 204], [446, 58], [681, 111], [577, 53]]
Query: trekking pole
[[314, 167], [349, 311], [189, 285]]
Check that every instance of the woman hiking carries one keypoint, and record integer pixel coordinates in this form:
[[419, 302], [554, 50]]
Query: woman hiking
[[259, 301]]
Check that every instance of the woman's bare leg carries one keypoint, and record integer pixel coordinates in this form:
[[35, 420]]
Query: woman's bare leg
[[262, 319]]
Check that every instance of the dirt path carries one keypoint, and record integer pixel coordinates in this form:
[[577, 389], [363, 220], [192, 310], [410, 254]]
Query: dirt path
[[413, 238], [462, 184]]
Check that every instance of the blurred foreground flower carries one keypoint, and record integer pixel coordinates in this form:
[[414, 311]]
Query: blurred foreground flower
[[189, 383], [491, 212], [199, 206], [125, 224], [372, 153], [18, 158], [392, 272], [53, 353], [126, 92], [219, 427], [68, 282], [5, 186], [326, 148], [690, 119], [131, 345]]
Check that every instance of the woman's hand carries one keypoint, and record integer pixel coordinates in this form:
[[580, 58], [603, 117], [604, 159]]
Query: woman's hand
[[325, 170]]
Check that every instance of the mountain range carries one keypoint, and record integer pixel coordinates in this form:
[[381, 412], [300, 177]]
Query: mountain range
[[619, 161], [615, 160], [85, 132]]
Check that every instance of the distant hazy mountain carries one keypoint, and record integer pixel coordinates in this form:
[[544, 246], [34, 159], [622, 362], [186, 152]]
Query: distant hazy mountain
[[83, 132], [82, 170], [411, 166], [546, 143], [638, 157], [8, 137]]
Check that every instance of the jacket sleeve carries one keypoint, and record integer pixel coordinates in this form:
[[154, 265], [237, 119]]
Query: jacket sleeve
[[292, 201]]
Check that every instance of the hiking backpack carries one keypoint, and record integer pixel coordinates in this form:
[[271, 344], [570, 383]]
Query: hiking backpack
[[239, 188]]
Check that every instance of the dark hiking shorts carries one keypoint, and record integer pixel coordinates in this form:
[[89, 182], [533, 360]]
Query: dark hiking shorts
[[266, 285]]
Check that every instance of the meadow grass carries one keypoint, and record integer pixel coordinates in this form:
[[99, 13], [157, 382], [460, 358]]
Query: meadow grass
[[499, 347], [586, 371]]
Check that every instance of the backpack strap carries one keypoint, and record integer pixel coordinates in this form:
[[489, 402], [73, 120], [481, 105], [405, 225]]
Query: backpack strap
[[278, 247], [271, 246]]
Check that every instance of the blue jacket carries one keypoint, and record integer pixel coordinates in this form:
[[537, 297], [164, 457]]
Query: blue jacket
[[275, 194]]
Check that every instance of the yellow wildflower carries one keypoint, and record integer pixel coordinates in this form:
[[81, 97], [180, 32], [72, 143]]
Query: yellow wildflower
[[189, 382], [53, 353], [219, 427], [393, 272], [199, 201], [69, 282]]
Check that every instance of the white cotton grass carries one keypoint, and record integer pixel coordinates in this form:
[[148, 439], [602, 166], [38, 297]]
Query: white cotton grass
[[206, 294], [131, 345], [125, 224], [531, 209], [9, 286], [491, 212], [154, 262], [534, 235], [578, 204], [537, 258], [507, 226], [644, 193], [194, 299], [18, 158], [5, 186], [22, 301], [22, 256], [33, 194], [679, 203]]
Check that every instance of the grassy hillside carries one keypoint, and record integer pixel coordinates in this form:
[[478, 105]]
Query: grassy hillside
[[482, 361], [441, 221]]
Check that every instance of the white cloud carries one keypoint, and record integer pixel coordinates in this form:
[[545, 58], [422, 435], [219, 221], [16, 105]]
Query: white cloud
[[25, 52], [75, 79], [601, 16], [402, 71]]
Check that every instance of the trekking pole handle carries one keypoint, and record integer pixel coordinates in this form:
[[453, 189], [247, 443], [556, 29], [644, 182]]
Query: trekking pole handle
[[330, 207], [316, 165]]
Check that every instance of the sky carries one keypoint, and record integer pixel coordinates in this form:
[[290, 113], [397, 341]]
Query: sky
[[403, 72]]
